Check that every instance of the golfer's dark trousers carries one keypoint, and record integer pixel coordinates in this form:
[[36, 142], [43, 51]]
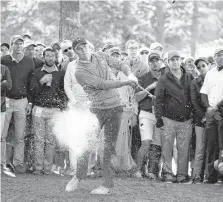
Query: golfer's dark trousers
[[214, 134]]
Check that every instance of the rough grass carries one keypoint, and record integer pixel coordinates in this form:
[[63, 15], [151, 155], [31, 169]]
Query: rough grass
[[26, 188]]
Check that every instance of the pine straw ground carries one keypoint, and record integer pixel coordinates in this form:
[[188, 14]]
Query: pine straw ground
[[27, 188]]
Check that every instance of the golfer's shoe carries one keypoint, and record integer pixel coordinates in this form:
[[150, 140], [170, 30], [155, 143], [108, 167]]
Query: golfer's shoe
[[72, 185], [101, 190], [7, 171]]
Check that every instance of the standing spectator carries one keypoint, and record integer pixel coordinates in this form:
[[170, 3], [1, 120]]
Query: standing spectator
[[173, 113], [19, 99], [144, 52], [4, 49], [190, 67], [212, 96], [29, 50], [199, 115], [39, 50], [68, 51], [147, 119], [48, 98], [6, 85], [60, 62]]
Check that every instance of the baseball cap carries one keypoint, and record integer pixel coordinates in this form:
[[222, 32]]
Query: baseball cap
[[114, 50], [14, 38], [107, 46], [154, 54], [40, 44], [188, 58], [66, 44], [77, 41], [200, 59], [29, 43], [56, 43], [155, 45], [217, 50], [26, 35], [144, 49], [6, 45], [173, 54]]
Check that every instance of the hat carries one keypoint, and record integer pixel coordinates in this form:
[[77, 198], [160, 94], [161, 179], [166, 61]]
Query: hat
[[26, 35], [77, 41], [200, 59], [173, 54], [66, 44], [15, 38], [55, 43], [144, 49], [211, 60], [188, 58], [114, 50], [218, 50], [29, 43], [107, 46], [124, 53], [6, 45], [153, 46], [40, 44], [154, 54]]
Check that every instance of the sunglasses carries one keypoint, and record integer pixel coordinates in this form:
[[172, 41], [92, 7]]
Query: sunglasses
[[144, 53], [199, 67], [66, 50]]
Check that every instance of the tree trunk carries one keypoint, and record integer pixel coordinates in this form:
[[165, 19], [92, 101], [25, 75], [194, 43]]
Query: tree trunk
[[194, 30], [160, 22], [69, 19]]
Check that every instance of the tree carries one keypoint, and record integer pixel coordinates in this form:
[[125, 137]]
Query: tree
[[69, 19]]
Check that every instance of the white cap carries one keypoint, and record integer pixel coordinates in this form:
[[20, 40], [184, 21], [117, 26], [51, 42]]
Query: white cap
[[29, 43], [153, 46]]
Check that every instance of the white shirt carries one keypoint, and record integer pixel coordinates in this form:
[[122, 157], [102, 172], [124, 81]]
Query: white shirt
[[73, 90], [213, 86]]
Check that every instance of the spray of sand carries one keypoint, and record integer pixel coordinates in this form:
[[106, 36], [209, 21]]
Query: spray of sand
[[76, 129]]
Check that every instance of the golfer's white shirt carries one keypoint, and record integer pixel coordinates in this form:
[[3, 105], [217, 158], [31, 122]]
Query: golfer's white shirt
[[73, 90], [213, 86]]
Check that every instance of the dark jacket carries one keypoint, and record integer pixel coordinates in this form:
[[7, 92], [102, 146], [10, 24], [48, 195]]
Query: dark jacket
[[6, 85], [48, 96], [38, 62], [199, 108], [173, 97]]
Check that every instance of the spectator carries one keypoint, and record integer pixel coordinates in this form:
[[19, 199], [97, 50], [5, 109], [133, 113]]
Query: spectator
[[199, 117], [48, 98], [4, 49], [211, 62], [212, 94], [68, 51], [6, 85], [29, 50], [144, 52], [173, 89], [115, 52], [147, 119], [190, 67], [39, 51], [19, 99], [60, 62]]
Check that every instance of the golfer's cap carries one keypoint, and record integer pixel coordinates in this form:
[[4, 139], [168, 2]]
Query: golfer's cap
[[77, 41]]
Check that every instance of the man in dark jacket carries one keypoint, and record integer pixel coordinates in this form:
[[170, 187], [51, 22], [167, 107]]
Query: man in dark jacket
[[173, 113], [198, 115]]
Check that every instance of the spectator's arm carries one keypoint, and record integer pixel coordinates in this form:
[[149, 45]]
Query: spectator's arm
[[32, 68], [68, 84], [194, 100], [6, 84], [160, 98], [85, 79]]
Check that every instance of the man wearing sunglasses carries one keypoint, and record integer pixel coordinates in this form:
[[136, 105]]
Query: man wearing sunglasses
[[199, 110], [212, 96], [93, 73], [173, 113]]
